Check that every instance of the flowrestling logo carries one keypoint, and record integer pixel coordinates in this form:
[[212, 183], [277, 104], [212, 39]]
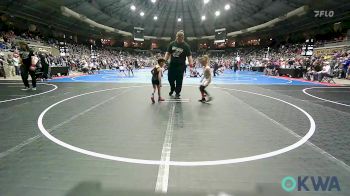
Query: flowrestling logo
[[310, 183], [324, 13]]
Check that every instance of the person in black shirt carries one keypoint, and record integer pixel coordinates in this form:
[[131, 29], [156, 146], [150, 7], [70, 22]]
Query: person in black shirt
[[130, 68], [157, 74], [136, 64], [27, 68], [44, 65], [177, 51], [216, 69]]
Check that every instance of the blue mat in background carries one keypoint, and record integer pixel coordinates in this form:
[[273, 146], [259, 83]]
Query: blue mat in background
[[144, 76]]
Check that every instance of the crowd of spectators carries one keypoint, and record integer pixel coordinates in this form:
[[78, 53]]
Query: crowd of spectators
[[272, 60], [79, 57], [310, 67]]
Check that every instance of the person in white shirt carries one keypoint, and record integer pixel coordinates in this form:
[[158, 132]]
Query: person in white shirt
[[326, 70], [85, 67], [11, 65], [283, 63], [238, 59], [16, 61], [122, 69], [206, 79], [92, 67]]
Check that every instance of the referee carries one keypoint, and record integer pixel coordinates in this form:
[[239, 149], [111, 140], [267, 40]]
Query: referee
[[177, 52]]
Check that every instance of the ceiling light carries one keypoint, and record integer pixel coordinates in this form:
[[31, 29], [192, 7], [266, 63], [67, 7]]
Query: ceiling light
[[227, 7], [153, 1], [155, 18], [217, 13], [179, 20], [203, 17], [132, 7], [142, 13], [206, 1]]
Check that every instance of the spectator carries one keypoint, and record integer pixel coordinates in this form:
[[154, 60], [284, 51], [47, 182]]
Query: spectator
[[27, 68], [11, 65], [326, 71]]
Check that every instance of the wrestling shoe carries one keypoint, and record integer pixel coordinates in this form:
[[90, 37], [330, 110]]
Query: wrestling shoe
[[202, 100], [160, 99], [152, 99]]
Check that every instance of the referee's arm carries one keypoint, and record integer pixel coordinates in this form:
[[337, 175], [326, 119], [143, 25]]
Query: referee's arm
[[190, 60], [167, 56]]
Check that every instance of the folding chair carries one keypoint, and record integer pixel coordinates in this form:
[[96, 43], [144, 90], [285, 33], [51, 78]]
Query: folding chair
[[329, 77]]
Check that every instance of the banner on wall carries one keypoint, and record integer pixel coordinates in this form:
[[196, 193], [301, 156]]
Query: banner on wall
[[322, 51]]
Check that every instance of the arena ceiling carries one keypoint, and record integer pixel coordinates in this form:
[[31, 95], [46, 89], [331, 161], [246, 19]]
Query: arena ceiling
[[121, 15], [242, 14]]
